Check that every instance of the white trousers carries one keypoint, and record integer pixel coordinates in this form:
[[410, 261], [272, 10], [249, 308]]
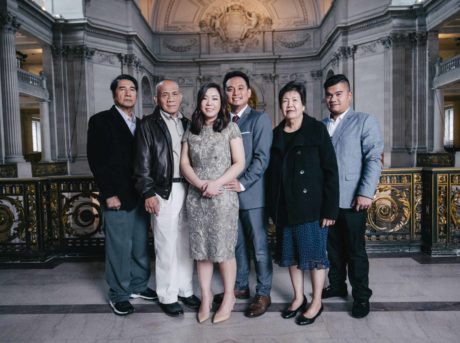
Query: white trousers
[[173, 265]]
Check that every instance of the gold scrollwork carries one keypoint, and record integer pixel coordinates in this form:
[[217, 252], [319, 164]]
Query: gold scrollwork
[[81, 215], [441, 212], [391, 210], [12, 223], [32, 216]]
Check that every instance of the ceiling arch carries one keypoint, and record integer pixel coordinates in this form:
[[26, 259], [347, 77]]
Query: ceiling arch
[[186, 15]]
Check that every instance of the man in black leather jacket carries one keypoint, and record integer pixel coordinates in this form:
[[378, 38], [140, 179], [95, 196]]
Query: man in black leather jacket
[[159, 182]]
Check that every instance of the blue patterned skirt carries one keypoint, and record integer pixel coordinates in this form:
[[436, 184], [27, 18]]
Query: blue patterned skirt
[[303, 245]]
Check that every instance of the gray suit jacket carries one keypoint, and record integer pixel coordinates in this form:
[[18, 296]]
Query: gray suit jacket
[[256, 131], [358, 146]]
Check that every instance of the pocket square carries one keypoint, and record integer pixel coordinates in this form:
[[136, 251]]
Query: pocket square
[[245, 132]]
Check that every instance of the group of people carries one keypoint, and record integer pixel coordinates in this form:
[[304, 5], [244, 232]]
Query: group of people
[[209, 185]]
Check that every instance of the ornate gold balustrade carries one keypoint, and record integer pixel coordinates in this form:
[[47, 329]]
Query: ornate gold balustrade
[[414, 209]]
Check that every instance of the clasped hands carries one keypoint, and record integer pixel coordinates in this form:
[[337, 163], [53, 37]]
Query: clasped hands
[[212, 188]]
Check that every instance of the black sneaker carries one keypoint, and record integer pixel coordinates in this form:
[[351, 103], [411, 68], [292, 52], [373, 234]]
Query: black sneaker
[[360, 309], [122, 308], [191, 302], [148, 294]]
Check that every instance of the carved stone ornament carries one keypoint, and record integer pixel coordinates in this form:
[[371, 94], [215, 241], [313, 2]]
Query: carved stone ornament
[[9, 22], [129, 60], [180, 46], [234, 24], [293, 44]]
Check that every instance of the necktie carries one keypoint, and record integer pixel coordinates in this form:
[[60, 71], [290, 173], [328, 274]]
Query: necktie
[[235, 118]]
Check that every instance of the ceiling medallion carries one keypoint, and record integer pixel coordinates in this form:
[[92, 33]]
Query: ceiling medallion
[[234, 25]]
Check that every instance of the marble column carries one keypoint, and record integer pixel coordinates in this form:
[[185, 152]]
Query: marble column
[[10, 93], [45, 131]]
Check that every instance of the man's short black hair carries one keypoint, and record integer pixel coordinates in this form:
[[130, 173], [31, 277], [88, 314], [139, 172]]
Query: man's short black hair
[[114, 84], [235, 73], [335, 79]]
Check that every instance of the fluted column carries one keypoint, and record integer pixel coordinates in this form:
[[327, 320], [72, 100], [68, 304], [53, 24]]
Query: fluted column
[[10, 93]]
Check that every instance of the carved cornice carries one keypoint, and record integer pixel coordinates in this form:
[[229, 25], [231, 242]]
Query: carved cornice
[[9, 22], [418, 38], [81, 51]]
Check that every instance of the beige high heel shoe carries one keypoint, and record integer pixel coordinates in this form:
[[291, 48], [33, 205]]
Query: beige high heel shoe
[[203, 316], [221, 315]]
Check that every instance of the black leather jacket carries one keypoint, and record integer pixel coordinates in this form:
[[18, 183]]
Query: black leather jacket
[[154, 161]]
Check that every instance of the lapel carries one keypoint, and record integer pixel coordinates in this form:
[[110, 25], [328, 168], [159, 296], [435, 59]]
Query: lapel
[[342, 127], [245, 116], [120, 124]]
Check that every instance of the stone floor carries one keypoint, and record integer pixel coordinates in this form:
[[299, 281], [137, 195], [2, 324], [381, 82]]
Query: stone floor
[[416, 299]]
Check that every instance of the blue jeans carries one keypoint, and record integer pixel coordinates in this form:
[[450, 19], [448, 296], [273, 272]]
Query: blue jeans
[[252, 233]]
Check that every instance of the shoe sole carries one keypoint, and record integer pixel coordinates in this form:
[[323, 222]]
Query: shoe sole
[[137, 296], [117, 312]]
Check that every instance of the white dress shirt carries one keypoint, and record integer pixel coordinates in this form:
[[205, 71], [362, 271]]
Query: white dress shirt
[[130, 121], [332, 124]]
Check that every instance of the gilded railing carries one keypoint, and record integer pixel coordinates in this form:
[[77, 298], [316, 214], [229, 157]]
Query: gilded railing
[[45, 217], [441, 222], [395, 218]]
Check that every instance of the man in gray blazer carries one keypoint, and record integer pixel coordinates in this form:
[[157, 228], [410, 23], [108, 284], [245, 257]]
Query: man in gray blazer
[[359, 146], [256, 130]]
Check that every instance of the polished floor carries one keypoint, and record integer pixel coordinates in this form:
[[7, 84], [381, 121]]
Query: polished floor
[[416, 299]]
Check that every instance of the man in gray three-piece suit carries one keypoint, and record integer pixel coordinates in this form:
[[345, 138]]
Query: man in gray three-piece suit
[[256, 131], [358, 146]]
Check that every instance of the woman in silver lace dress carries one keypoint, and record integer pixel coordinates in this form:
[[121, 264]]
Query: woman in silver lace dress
[[212, 155]]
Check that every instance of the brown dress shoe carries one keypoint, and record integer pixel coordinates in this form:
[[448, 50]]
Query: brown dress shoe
[[258, 306]]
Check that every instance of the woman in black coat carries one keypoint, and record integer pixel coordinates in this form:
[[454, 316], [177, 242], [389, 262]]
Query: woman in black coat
[[302, 198]]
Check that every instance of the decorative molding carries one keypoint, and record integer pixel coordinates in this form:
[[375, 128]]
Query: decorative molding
[[80, 51], [316, 74], [343, 53], [9, 22], [180, 46], [235, 26], [104, 57], [367, 49], [293, 44], [130, 60]]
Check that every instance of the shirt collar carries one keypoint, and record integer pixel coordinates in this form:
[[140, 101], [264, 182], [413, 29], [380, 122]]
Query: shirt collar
[[125, 116], [240, 113], [340, 117], [169, 116]]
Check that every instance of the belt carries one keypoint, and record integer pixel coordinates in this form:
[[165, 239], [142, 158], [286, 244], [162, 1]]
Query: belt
[[179, 179]]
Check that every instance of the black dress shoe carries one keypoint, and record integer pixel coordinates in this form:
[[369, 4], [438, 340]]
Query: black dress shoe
[[191, 302], [148, 294], [173, 309], [330, 292], [302, 320], [287, 313], [360, 309]]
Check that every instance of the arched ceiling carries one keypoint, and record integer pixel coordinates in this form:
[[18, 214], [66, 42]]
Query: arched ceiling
[[189, 15]]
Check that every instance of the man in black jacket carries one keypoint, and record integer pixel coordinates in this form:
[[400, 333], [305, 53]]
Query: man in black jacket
[[159, 182], [110, 151]]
